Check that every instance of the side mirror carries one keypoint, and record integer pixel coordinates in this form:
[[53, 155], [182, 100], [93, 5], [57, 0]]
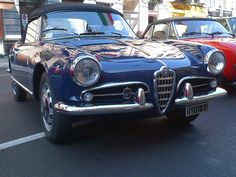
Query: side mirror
[[139, 34]]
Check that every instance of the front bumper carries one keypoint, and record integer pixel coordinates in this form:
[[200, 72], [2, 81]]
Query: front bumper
[[134, 107], [102, 109], [219, 92]]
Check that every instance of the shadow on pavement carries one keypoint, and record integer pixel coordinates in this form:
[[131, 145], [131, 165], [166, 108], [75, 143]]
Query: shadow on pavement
[[131, 133]]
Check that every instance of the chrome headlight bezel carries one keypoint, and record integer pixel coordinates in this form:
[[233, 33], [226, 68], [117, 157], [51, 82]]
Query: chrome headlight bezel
[[74, 70], [209, 59]]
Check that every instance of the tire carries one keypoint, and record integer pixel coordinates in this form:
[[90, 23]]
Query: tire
[[19, 93], [57, 127], [179, 117]]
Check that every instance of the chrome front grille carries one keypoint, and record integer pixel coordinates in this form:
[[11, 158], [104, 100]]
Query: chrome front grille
[[200, 85], [164, 82], [116, 92]]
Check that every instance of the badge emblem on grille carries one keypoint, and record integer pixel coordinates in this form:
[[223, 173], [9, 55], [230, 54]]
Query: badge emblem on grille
[[127, 93], [165, 71], [188, 91]]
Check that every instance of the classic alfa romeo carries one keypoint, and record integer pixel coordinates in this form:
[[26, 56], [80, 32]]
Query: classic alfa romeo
[[202, 30], [80, 61]]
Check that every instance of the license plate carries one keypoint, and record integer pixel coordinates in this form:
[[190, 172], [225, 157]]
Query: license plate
[[196, 109]]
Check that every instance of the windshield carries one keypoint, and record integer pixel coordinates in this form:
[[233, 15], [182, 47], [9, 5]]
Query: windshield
[[84, 24], [197, 28], [232, 22]]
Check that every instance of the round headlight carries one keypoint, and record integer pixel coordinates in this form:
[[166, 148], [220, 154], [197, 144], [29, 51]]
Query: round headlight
[[216, 62], [86, 71]]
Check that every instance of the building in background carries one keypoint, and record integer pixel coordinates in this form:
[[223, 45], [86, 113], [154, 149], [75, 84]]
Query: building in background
[[191, 8], [221, 8], [10, 25], [14, 17], [159, 9]]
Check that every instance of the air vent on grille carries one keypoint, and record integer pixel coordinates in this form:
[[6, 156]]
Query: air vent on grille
[[164, 82]]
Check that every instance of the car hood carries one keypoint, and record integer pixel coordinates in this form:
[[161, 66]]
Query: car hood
[[119, 49], [215, 41]]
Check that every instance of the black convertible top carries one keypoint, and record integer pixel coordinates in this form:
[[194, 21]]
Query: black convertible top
[[70, 7], [183, 19]]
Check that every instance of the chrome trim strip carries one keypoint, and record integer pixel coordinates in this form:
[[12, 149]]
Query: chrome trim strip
[[113, 94], [111, 85], [201, 85], [102, 109], [109, 94], [22, 86], [116, 84], [219, 92], [192, 77]]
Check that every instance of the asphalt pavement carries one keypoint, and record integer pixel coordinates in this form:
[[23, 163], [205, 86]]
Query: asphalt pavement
[[3, 59], [118, 148]]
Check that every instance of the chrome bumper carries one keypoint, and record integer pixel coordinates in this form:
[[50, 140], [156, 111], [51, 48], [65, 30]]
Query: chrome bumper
[[139, 105], [203, 98], [103, 109]]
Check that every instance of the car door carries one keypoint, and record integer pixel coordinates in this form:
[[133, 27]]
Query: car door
[[22, 53]]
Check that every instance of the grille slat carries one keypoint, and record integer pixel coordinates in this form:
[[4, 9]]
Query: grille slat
[[164, 87]]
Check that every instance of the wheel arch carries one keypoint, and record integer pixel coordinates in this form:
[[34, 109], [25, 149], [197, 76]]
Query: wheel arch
[[38, 71]]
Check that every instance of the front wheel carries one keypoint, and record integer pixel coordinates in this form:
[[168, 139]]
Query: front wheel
[[180, 117], [57, 127], [19, 93]]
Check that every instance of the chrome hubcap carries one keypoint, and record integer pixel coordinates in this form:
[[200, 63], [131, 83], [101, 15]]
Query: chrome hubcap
[[14, 88], [47, 107]]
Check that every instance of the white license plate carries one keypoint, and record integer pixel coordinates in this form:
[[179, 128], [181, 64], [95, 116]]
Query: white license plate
[[196, 109]]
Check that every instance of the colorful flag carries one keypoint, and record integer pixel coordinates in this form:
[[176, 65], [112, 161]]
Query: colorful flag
[[106, 18]]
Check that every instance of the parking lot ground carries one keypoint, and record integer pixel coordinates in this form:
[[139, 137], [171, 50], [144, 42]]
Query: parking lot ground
[[17, 119], [115, 148]]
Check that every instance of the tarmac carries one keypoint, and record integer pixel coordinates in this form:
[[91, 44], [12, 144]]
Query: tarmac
[[3, 62]]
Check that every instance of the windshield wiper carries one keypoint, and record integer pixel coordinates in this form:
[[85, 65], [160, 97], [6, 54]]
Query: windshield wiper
[[91, 33], [54, 29], [219, 33], [119, 35], [191, 33], [231, 34], [88, 34], [214, 33], [58, 29], [210, 34], [76, 35]]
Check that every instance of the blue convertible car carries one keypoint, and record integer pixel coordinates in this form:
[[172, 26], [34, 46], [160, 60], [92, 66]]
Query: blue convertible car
[[79, 60]]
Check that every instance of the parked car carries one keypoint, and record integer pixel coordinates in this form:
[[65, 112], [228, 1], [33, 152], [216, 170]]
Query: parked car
[[229, 23], [202, 30], [80, 60]]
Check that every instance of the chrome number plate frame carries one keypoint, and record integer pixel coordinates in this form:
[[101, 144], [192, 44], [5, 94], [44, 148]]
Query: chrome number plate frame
[[196, 109]]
